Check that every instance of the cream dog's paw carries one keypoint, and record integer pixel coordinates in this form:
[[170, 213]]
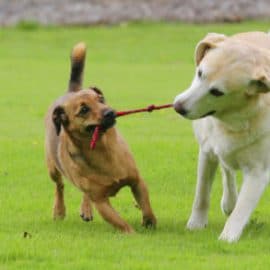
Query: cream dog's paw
[[197, 221]]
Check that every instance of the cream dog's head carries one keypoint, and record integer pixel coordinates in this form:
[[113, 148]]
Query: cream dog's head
[[229, 75]]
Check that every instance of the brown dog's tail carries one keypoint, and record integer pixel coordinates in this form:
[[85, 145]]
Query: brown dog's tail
[[77, 66]]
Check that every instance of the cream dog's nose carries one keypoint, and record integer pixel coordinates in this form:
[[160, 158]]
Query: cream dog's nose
[[179, 108]]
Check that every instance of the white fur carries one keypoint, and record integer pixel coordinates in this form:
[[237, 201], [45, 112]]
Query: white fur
[[237, 136]]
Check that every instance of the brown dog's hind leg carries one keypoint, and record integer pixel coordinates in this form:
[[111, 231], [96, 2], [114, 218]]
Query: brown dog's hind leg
[[110, 215], [140, 193], [59, 209], [86, 208]]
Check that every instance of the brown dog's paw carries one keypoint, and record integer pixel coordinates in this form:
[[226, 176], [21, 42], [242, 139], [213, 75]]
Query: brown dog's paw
[[127, 229], [86, 217], [149, 221], [59, 212], [86, 212]]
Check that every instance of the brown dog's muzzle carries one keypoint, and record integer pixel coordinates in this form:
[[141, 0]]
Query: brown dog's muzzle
[[90, 129], [108, 119]]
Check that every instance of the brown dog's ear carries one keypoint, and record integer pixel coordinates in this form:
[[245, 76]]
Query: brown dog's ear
[[210, 41], [260, 83], [99, 92], [59, 118]]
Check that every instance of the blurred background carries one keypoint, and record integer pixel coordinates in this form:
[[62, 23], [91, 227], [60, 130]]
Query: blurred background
[[84, 12]]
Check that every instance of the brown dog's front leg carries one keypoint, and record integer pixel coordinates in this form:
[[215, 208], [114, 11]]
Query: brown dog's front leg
[[140, 193], [86, 208], [59, 210], [110, 215]]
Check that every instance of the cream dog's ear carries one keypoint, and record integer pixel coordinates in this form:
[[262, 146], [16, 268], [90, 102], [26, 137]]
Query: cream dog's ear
[[210, 41], [260, 83]]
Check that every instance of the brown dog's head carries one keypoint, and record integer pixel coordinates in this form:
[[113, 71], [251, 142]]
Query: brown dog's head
[[82, 112]]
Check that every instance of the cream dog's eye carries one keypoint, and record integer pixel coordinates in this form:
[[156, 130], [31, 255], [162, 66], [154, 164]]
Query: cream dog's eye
[[84, 110], [199, 73], [215, 92]]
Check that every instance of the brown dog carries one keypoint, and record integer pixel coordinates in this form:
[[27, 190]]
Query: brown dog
[[98, 173]]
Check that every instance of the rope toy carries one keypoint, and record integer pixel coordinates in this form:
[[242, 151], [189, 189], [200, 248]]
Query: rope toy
[[149, 108]]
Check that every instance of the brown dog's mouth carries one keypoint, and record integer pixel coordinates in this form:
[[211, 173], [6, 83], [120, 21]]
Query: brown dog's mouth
[[90, 129], [103, 127], [107, 124], [108, 121]]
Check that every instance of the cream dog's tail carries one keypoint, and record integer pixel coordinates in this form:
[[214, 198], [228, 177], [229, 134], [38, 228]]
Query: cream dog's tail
[[77, 66]]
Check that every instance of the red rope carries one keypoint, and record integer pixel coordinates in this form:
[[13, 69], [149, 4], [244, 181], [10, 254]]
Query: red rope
[[94, 137], [150, 108]]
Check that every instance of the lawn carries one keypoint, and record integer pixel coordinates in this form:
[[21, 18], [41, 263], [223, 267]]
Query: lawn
[[135, 65]]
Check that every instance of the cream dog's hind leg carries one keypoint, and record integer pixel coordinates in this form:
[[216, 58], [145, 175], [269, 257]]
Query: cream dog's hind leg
[[253, 186], [230, 193]]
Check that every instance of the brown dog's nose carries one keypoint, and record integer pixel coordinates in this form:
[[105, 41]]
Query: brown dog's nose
[[179, 108], [108, 119], [109, 114]]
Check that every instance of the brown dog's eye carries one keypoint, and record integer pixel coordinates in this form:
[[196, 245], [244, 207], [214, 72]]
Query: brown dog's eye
[[101, 99], [84, 110], [199, 73]]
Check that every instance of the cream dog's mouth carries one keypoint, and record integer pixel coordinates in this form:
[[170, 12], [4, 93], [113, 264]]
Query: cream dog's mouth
[[209, 113]]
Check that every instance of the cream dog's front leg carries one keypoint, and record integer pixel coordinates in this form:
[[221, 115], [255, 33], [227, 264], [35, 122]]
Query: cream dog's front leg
[[253, 186], [206, 171]]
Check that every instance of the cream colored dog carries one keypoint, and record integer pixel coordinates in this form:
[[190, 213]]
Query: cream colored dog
[[229, 100]]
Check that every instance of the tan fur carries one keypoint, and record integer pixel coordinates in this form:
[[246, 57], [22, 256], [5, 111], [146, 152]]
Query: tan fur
[[98, 173], [78, 52]]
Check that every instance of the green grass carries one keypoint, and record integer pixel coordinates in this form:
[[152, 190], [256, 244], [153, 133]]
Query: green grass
[[135, 65]]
